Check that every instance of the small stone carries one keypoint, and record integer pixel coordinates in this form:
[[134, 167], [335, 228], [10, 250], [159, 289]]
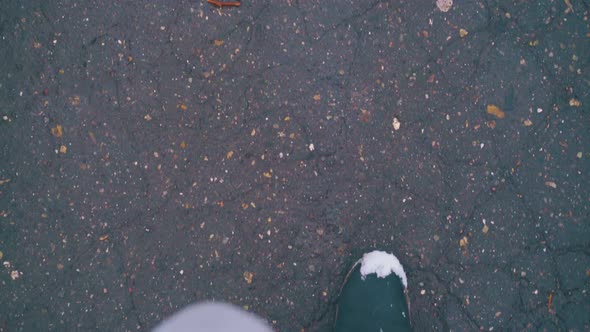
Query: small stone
[[444, 5], [422, 292], [311, 147], [396, 124]]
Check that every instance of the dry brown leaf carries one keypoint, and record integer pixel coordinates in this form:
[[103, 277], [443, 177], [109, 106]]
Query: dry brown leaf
[[463, 33], [317, 97], [104, 237], [92, 138], [575, 103], [218, 42], [464, 242], [75, 100], [485, 229], [57, 131], [249, 277], [183, 145], [569, 5], [528, 123], [229, 155], [63, 149], [495, 111], [551, 184]]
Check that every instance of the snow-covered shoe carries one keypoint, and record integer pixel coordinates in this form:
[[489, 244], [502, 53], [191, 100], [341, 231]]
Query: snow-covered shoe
[[374, 296]]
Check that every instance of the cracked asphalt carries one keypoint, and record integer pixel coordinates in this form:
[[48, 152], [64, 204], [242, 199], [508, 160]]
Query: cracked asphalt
[[157, 153]]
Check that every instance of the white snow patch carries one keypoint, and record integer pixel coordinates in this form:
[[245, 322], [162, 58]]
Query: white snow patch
[[382, 263]]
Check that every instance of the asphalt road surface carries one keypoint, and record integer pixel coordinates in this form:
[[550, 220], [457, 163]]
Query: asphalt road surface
[[158, 153]]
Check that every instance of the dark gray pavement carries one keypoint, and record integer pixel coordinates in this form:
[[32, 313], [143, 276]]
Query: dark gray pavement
[[157, 153]]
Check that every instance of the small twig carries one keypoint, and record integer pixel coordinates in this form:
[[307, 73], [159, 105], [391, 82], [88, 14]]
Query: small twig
[[221, 4]]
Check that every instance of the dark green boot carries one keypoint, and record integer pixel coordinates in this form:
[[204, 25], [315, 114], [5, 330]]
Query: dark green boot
[[374, 296]]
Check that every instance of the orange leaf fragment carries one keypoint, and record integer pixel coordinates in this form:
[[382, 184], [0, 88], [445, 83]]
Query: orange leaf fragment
[[183, 144], [495, 111], [218, 42], [317, 97]]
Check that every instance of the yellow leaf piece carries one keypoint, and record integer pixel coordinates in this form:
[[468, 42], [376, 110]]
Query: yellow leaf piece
[[463, 33], [1, 254], [104, 237], [268, 174], [485, 229], [63, 149], [183, 144], [534, 43], [218, 42], [57, 131], [182, 107], [317, 97], [495, 111], [229, 155], [528, 123]]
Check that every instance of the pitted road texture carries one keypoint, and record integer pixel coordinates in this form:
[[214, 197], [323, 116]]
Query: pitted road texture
[[158, 153]]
